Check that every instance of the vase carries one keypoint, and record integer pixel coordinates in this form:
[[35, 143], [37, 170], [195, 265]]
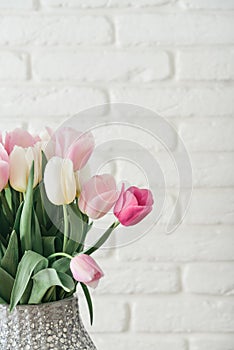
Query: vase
[[53, 326]]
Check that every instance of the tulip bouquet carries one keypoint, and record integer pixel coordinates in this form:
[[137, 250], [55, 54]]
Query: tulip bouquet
[[46, 213]]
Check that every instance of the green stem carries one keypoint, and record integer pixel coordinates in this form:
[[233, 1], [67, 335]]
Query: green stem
[[22, 197], [66, 227], [60, 254]]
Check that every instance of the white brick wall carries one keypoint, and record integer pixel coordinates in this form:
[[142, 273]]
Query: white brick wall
[[57, 57]]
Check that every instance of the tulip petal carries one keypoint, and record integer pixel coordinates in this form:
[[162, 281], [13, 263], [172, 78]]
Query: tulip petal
[[68, 181], [80, 151], [86, 270], [98, 195], [18, 137], [60, 181], [4, 174], [19, 171]]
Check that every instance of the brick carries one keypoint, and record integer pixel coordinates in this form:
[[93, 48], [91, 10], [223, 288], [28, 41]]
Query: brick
[[54, 30], [208, 4], [13, 66], [104, 309], [183, 314], [137, 3], [211, 207], [176, 28], [184, 102], [215, 278], [15, 5], [187, 243], [209, 64], [106, 66], [209, 169], [208, 135], [101, 3], [138, 279], [47, 101], [219, 342], [213, 169], [123, 140], [138, 342]]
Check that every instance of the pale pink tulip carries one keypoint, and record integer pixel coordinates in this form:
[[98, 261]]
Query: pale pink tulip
[[72, 144], [20, 165], [98, 195], [84, 269], [4, 168], [18, 137], [59, 180], [133, 205]]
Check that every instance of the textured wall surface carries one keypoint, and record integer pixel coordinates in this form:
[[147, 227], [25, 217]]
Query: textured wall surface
[[176, 57]]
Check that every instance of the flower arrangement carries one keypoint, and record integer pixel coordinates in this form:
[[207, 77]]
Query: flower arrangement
[[42, 259]]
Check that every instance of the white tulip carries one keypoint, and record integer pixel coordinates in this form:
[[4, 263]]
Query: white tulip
[[60, 182], [20, 165]]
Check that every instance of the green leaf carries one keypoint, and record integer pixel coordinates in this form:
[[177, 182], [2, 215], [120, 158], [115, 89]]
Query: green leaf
[[16, 226], [46, 279], [36, 235], [89, 301], [26, 216], [6, 285], [50, 244], [31, 262], [102, 240], [62, 265], [2, 301], [11, 257]]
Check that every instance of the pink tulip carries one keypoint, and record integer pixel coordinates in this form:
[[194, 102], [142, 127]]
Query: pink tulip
[[98, 195], [133, 205], [18, 137], [72, 144], [4, 168], [86, 270]]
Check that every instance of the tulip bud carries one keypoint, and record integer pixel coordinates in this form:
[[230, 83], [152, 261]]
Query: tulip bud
[[21, 160], [133, 205], [60, 182], [18, 137], [4, 168], [72, 144], [98, 195], [84, 269]]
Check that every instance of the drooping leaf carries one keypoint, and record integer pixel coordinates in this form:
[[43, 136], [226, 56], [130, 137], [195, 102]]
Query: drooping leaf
[[89, 301], [46, 279], [6, 285], [30, 263], [101, 240], [26, 215], [62, 265], [10, 259]]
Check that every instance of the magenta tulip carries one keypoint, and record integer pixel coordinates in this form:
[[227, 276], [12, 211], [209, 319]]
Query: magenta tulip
[[98, 195], [72, 144], [133, 205], [18, 137], [4, 168], [86, 270]]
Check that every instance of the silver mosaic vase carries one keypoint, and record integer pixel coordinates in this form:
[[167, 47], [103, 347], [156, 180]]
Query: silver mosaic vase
[[52, 326]]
